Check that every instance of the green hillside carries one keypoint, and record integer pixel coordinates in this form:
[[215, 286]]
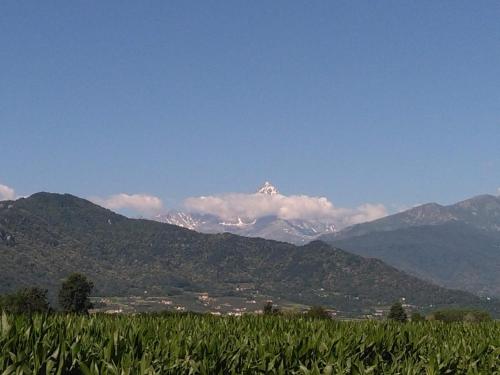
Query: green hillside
[[454, 255]]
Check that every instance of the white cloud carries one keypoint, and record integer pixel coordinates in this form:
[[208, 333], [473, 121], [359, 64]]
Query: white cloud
[[141, 203], [366, 212], [233, 205], [7, 193]]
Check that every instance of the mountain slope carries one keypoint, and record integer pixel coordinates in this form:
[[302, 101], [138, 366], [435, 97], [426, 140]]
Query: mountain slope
[[457, 246], [46, 236]]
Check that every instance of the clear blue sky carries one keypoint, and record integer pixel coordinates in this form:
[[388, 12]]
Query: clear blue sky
[[395, 102]]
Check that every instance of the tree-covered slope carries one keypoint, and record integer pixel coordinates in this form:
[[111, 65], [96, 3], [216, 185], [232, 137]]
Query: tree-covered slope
[[46, 236], [454, 254]]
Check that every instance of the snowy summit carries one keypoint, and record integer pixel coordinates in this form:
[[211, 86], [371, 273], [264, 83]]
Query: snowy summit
[[298, 231], [268, 188]]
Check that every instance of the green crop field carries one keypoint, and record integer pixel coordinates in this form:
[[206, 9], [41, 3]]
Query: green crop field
[[196, 344]]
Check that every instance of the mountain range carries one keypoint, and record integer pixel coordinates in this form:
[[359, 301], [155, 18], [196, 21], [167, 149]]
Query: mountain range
[[46, 236], [456, 246], [296, 231]]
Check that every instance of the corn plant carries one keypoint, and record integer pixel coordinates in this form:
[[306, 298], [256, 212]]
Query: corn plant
[[195, 344]]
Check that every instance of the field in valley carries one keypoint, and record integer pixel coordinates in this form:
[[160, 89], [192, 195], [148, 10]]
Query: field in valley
[[204, 344]]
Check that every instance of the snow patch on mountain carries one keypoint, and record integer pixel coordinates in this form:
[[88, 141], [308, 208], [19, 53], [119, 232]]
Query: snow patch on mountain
[[239, 223]]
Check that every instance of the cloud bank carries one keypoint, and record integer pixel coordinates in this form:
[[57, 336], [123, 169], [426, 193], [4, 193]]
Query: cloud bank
[[7, 193], [253, 206], [141, 203]]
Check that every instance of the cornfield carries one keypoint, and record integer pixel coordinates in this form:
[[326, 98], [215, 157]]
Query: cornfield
[[192, 344]]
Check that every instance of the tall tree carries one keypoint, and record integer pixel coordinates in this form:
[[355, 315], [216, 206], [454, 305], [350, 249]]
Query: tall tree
[[74, 294], [397, 313]]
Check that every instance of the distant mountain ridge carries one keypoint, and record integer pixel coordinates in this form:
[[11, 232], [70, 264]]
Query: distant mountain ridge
[[46, 236], [296, 231], [481, 212], [457, 246]]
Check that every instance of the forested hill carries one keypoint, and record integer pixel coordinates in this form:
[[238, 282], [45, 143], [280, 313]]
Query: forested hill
[[46, 236]]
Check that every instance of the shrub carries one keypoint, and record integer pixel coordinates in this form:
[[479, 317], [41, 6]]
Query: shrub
[[417, 317], [270, 309], [317, 312], [460, 315]]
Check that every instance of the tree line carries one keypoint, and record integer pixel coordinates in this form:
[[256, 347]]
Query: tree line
[[73, 297], [397, 313]]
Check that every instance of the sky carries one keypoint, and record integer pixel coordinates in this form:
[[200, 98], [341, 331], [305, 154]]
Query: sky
[[149, 105]]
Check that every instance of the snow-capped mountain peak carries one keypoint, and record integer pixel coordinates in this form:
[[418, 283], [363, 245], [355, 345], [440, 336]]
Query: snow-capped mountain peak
[[268, 188], [298, 231]]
